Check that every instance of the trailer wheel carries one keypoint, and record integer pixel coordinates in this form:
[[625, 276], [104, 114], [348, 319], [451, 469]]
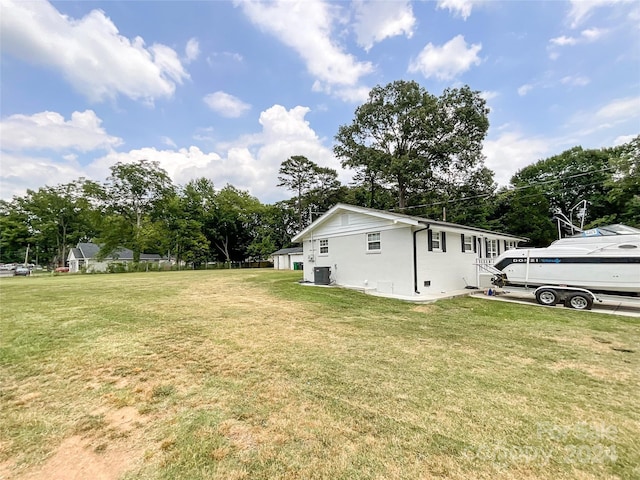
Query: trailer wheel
[[547, 296], [579, 301]]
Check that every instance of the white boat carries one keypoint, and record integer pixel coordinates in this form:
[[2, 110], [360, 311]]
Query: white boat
[[601, 260]]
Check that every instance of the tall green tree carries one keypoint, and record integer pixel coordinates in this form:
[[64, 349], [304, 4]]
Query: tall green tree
[[273, 231], [237, 217], [524, 212], [467, 201], [316, 188], [133, 193], [623, 185], [59, 217], [15, 233], [299, 175], [195, 228], [412, 141], [569, 178]]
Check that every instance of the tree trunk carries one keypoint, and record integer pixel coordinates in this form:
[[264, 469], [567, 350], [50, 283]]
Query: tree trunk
[[224, 248], [402, 193]]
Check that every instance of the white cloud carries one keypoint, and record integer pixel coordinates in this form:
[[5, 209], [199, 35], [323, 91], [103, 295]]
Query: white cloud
[[619, 110], [599, 126], [306, 28], [21, 172], [376, 21], [251, 162], [622, 139], [206, 135], [586, 36], [525, 89], [217, 58], [489, 95], [575, 81], [593, 34], [448, 61], [581, 10], [358, 94], [192, 50], [457, 7], [168, 142], [563, 41], [511, 151], [50, 131], [182, 164], [89, 52], [226, 105]]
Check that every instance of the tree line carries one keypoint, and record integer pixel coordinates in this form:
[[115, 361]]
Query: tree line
[[411, 151]]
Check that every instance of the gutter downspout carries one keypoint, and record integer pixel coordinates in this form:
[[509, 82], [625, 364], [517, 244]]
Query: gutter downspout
[[415, 259]]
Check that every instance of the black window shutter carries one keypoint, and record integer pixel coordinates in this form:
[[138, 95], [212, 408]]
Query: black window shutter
[[475, 245], [430, 240], [462, 241], [486, 247], [443, 241], [498, 244], [505, 245]]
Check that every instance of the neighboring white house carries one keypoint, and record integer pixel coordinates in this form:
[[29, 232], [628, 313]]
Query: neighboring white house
[[288, 259], [84, 257], [397, 254]]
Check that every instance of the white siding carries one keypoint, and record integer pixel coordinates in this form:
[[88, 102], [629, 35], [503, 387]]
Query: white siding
[[287, 261], [447, 271], [388, 270], [296, 258], [281, 262]]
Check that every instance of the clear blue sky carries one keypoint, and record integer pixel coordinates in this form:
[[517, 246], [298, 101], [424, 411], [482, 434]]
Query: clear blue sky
[[228, 90]]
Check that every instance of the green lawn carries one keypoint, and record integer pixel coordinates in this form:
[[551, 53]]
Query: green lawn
[[249, 375]]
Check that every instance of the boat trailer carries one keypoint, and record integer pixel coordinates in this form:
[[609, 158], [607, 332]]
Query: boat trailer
[[571, 297]]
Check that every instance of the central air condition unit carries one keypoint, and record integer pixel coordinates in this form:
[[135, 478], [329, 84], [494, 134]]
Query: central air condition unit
[[321, 275]]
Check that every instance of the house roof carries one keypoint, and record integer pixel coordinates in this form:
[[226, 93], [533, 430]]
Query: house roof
[[402, 218], [288, 251], [89, 250]]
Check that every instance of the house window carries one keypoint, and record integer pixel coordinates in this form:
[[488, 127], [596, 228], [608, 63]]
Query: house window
[[467, 243], [324, 247], [510, 244], [436, 241], [373, 242], [492, 248]]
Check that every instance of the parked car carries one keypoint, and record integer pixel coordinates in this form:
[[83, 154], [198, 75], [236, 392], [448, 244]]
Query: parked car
[[22, 271], [61, 269]]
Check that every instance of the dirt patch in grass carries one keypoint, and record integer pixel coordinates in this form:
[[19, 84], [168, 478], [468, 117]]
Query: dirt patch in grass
[[425, 308], [78, 458], [109, 446]]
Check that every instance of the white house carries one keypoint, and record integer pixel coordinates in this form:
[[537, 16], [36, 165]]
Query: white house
[[396, 254], [288, 259], [84, 257]]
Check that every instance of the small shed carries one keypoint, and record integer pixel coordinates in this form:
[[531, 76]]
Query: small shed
[[288, 259]]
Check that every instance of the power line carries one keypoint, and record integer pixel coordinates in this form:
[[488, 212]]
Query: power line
[[535, 184]]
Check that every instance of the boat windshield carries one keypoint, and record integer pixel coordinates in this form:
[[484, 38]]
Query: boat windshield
[[617, 229]]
